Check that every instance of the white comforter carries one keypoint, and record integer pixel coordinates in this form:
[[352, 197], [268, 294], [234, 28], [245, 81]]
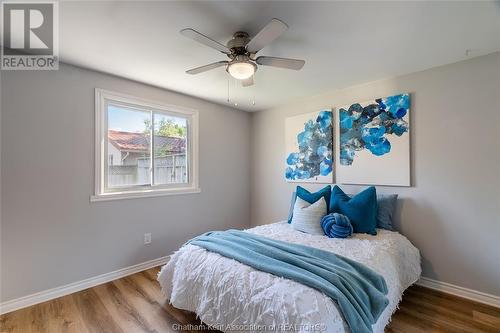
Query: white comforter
[[235, 297]]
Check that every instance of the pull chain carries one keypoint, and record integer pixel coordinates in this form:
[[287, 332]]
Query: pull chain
[[253, 90], [228, 88], [236, 82]]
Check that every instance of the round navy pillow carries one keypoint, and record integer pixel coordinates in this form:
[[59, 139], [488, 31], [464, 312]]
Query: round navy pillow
[[336, 225]]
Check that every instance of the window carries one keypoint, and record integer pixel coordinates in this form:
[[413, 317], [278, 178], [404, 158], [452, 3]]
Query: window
[[144, 148]]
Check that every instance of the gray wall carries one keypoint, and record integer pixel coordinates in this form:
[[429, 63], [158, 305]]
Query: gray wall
[[452, 211], [51, 234]]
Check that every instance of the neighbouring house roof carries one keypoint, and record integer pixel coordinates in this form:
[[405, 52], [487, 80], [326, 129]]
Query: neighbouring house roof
[[139, 142]]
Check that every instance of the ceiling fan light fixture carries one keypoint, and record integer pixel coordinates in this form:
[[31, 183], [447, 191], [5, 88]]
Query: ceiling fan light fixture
[[241, 70], [242, 50]]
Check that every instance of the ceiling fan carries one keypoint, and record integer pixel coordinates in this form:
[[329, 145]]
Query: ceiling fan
[[242, 50]]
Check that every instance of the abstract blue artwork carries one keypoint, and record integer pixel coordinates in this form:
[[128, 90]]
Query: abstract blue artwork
[[374, 142], [309, 144]]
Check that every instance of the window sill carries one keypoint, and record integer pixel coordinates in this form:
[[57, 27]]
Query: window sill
[[143, 194]]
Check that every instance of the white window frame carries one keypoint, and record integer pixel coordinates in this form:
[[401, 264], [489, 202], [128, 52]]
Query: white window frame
[[105, 97]]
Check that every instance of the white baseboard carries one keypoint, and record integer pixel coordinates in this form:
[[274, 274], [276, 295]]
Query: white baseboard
[[46, 295], [449, 288], [49, 294]]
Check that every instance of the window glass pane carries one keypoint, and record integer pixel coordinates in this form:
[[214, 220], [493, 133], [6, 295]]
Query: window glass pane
[[170, 149], [128, 147]]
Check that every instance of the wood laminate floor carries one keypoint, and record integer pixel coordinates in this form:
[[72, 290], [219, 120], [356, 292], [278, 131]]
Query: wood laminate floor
[[134, 304]]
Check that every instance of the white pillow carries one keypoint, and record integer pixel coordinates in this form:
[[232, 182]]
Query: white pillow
[[307, 217]]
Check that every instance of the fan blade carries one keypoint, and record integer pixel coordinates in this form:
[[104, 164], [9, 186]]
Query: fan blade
[[201, 38], [269, 33], [287, 63], [248, 82], [208, 67]]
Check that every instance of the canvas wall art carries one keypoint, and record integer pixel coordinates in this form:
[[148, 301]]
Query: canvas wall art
[[374, 142], [309, 146]]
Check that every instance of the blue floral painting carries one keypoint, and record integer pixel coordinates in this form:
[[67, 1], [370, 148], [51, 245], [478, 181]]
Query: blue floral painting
[[369, 134], [309, 150], [370, 127]]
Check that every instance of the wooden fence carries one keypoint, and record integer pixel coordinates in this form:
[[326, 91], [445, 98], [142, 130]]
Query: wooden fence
[[170, 169]]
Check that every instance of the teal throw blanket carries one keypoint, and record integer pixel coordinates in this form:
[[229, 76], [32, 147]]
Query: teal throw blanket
[[358, 290]]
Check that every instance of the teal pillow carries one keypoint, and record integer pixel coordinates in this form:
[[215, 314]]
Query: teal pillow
[[292, 205], [386, 205], [361, 209], [310, 197]]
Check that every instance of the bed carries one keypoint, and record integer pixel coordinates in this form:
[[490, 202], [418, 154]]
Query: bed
[[231, 296]]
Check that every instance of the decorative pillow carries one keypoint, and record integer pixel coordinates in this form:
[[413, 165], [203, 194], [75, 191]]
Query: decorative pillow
[[307, 216], [361, 209], [309, 197], [386, 207], [292, 203], [336, 225]]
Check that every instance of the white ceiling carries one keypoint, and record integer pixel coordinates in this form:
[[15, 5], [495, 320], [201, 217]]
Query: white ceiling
[[343, 43]]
